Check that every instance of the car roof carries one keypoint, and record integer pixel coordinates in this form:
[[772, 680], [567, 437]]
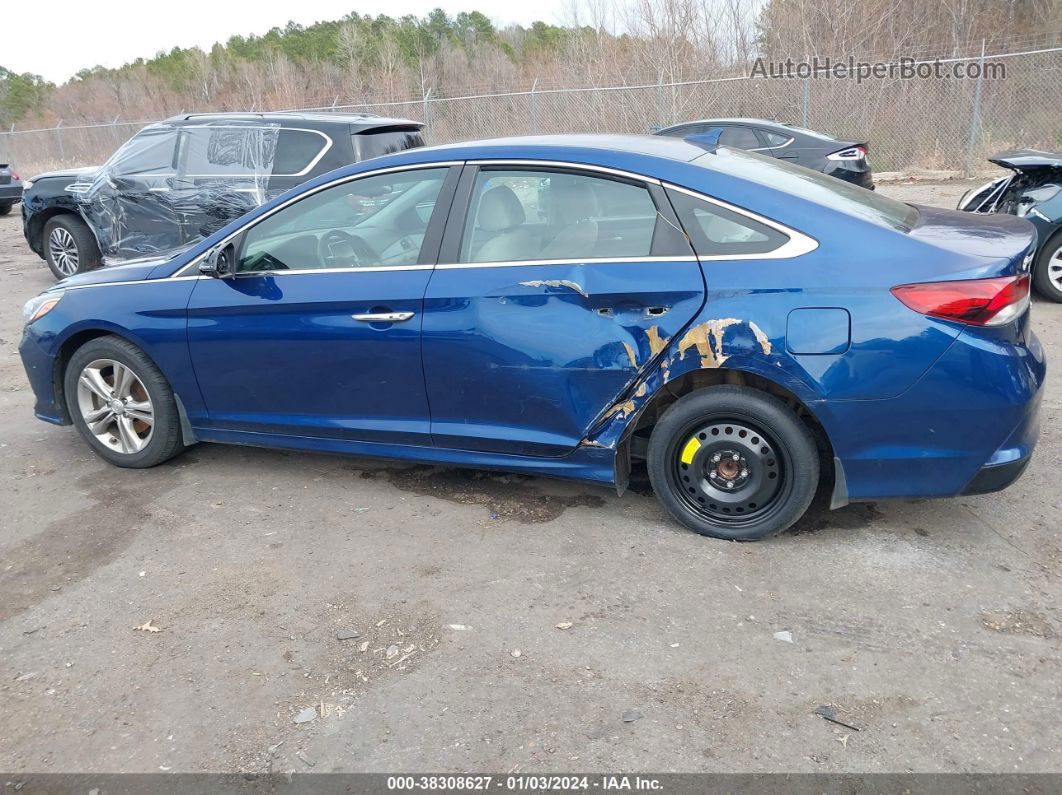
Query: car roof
[[539, 146], [780, 127], [773, 123], [361, 121]]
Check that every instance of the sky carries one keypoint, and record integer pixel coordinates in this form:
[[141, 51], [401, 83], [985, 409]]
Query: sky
[[56, 40]]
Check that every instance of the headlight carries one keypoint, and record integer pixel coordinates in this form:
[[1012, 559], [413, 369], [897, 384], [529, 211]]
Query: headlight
[[27, 184], [41, 305]]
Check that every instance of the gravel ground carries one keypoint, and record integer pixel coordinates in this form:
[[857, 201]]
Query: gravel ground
[[934, 627]]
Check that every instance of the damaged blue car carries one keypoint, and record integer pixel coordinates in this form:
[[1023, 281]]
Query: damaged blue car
[[753, 330]]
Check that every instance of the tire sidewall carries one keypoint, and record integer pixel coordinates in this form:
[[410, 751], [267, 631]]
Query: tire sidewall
[[1047, 288], [793, 441], [162, 401], [87, 250]]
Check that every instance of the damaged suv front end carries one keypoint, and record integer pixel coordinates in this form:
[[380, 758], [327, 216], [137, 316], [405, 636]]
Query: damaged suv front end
[[1033, 192]]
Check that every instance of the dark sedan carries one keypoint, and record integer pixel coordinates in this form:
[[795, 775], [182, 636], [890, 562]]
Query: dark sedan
[[839, 158]]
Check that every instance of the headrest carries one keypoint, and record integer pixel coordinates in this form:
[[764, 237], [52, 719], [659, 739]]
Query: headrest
[[499, 209], [574, 202]]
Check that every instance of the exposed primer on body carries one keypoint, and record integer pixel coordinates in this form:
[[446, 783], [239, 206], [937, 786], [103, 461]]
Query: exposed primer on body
[[702, 337], [761, 338], [631, 354], [556, 283], [656, 342], [626, 408]]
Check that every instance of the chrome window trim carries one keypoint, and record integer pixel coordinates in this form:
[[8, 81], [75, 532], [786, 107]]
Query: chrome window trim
[[351, 269], [567, 165], [797, 244], [780, 146], [301, 196], [586, 261]]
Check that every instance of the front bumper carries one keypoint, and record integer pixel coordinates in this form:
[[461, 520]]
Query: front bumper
[[41, 372]]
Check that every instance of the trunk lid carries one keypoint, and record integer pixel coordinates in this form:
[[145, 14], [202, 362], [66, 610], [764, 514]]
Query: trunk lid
[[993, 236], [1027, 159]]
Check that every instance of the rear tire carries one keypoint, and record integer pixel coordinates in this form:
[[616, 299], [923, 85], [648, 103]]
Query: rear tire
[[122, 404], [1047, 272], [5, 209], [69, 246], [733, 463]]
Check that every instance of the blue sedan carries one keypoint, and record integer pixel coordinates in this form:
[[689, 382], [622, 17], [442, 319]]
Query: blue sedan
[[752, 330]]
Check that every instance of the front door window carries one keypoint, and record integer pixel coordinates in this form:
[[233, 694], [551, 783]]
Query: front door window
[[374, 221]]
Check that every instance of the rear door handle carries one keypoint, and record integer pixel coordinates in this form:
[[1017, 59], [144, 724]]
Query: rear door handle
[[384, 317]]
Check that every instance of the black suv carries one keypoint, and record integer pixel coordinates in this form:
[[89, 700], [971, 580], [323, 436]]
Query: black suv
[[182, 179]]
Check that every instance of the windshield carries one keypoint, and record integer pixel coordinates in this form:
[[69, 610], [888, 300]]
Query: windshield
[[814, 186]]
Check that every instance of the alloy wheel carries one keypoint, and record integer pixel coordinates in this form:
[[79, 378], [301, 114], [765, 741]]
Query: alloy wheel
[[1054, 269], [115, 406], [63, 250]]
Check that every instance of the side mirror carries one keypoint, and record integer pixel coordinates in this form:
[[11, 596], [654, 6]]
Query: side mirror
[[219, 263]]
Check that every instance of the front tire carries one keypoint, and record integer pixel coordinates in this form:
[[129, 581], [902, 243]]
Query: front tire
[[121, 404], [69, 246], [1047, 273], [733, 463]]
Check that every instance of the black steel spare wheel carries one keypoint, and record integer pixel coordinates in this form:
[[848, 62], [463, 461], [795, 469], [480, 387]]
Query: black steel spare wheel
[[733, 462], [729, 471]]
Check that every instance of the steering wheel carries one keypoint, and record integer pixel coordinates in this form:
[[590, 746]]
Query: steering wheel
[[339, 249]]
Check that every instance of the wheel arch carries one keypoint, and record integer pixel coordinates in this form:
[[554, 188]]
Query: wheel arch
[[634, 439], [66, 350], [69, 346], [37, 222]]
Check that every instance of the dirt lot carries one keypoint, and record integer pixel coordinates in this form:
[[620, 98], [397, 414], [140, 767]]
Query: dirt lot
[[934, 627]]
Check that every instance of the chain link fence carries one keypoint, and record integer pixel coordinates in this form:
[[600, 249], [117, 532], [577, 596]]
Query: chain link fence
[[929, 123]]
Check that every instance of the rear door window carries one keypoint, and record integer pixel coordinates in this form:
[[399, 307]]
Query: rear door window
[[226, 151], [740, 138], [520, 215]]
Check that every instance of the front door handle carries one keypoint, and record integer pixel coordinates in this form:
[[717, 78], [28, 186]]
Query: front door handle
[[384, 317]]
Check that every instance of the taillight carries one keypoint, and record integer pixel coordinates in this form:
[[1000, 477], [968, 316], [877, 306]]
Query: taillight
[[851, 153], [14, 175], [979, 302]]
